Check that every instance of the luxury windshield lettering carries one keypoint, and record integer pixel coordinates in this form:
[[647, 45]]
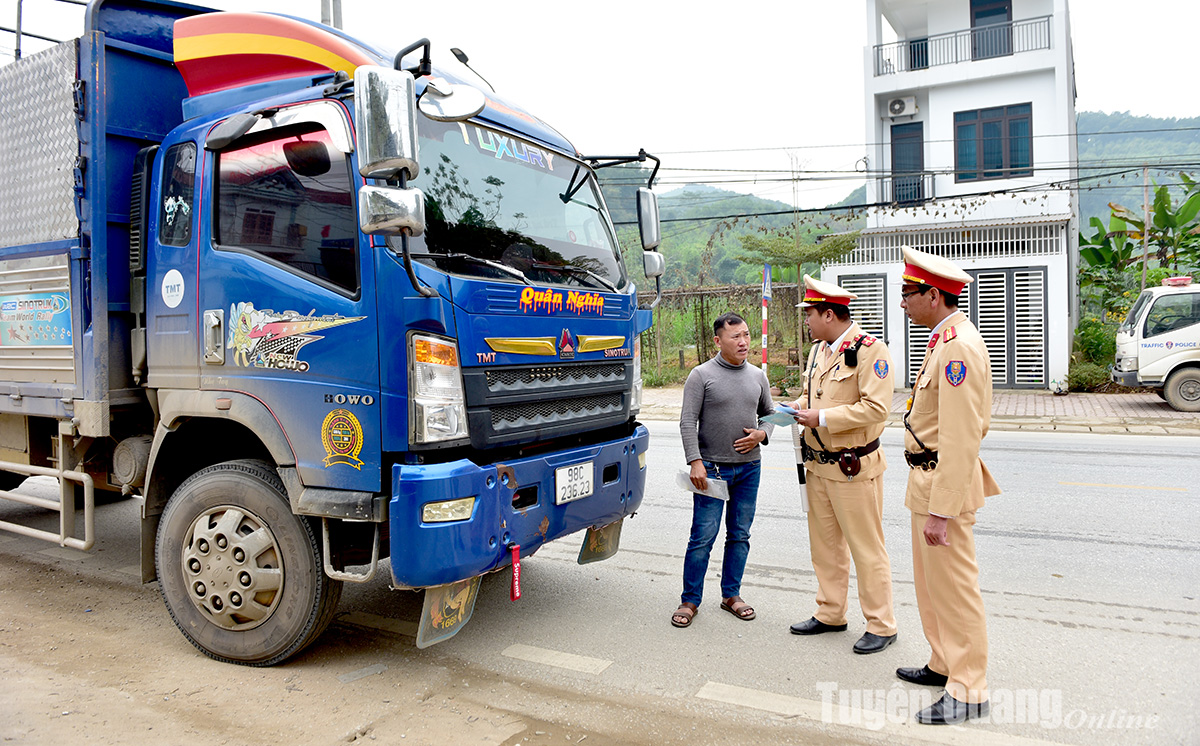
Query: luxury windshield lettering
[[501, 146]]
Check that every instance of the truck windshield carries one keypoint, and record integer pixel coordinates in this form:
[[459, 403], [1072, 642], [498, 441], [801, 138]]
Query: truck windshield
[[1139, 305], [494, 199]]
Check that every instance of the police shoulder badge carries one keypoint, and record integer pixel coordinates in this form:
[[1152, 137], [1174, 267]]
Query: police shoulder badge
[[868, 340], [956, 372], [881, 368], [342, 437]]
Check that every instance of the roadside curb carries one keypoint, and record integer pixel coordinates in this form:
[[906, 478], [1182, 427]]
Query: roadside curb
[[1104, 425]]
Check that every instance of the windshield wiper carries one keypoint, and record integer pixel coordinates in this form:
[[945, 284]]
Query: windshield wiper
[[478, 260], [572, 269]]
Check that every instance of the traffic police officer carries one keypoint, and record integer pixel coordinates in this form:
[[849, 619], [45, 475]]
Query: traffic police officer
[[945, 420], [843, 405]]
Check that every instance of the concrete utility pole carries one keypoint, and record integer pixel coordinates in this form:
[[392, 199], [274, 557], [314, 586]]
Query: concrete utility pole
[[17, 46], [1146, 225], [331, 13]]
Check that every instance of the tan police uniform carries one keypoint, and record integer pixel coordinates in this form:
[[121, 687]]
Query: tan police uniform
[[948, 415], [845, 516]]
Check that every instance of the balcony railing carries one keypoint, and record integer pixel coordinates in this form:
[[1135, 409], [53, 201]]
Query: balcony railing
[[906, 189], [979, 43]]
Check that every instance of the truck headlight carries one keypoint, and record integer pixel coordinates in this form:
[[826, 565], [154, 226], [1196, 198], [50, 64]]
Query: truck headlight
[[1126, 364], [635, 399], [439, 411]]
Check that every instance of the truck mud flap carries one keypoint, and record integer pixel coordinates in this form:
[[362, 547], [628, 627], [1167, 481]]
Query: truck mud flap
[[447, 609], [600, 542]]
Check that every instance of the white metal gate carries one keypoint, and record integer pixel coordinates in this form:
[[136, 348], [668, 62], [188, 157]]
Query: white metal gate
[[870, 308], [1008, 306]]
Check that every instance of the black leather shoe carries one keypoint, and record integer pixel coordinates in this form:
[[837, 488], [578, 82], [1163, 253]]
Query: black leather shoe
[[949, 711], [870, 643], [811, 626], [922, 676]]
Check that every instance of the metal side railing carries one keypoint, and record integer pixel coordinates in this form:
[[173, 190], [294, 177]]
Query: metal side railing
[[65, 506]]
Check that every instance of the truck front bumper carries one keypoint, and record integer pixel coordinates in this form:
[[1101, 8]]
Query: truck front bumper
[[1125, 378], [429, 554]]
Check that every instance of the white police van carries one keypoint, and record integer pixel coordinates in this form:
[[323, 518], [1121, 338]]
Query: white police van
[[1158, 345]]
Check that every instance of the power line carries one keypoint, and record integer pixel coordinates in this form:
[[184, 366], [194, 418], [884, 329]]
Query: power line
[[877, 144], [1023, 189]]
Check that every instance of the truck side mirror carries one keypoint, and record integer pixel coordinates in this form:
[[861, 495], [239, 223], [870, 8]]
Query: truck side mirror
[[385, 121], [445, 102], [389, 211], [654, 263], [647, 215]]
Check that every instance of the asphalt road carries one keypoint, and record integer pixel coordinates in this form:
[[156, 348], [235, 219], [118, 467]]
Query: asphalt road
[[1088, 567]]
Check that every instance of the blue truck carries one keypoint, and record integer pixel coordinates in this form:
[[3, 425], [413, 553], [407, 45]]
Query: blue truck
[[320, 307]]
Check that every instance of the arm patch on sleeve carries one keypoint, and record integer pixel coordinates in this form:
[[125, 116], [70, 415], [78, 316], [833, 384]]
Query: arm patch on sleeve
[[956, 372]]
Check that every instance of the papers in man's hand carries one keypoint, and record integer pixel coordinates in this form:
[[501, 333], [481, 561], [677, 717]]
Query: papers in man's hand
[[717, 488], [781, 417]]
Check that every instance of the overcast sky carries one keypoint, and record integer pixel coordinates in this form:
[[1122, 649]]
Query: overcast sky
[[752, 85]]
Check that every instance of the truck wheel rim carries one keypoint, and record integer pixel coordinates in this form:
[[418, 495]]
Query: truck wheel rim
[[232, 568], [1190, 390]]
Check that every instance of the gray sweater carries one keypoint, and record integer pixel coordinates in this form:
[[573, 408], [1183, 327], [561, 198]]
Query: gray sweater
[[719, 399]]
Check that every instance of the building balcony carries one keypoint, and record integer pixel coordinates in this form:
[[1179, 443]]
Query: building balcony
[[978, 43], [903, 190]]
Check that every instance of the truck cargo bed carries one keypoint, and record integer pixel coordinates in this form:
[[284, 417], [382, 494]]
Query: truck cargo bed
[[75, 117]]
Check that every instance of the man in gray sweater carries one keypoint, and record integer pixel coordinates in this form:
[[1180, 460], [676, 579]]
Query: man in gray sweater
[[722, 402]]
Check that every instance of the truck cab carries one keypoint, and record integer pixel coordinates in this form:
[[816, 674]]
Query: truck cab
[[322, 308], [1158, 345]]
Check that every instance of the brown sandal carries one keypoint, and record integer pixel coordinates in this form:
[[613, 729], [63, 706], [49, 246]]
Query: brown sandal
[[745, 611], [682, 617]]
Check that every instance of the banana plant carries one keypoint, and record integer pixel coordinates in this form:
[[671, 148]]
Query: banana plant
[[1106, 255], [1173, 230]]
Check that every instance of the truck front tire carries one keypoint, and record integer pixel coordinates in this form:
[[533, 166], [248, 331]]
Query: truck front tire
[[240, 573], [1182, 390]]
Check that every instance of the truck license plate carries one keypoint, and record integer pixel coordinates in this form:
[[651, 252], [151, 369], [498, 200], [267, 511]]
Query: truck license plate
[[573, 482]]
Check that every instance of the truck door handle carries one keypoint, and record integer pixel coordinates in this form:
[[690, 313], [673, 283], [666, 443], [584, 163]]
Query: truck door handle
[[214, 337]]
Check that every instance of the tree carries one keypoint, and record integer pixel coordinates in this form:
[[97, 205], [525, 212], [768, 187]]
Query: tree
[[787, 248], [1107, 255], [1173, 230]]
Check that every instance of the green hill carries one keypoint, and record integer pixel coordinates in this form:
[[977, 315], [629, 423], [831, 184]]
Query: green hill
[[1119, 141], [701, 224]]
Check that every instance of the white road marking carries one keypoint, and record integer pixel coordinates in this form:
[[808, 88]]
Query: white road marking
[[874, 721], [1124, 486], [556, 658], [362, 673]]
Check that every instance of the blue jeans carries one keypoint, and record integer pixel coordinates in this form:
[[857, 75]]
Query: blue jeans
[[706, 521]]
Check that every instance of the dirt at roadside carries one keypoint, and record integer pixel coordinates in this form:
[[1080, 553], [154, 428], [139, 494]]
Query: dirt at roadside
[[91, 657]]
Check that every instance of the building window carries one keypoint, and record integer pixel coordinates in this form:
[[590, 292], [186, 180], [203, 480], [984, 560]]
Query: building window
[[995, 143]]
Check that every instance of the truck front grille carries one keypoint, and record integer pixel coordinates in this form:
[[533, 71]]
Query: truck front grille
[[517, 379], [535, 414], [526, 404]]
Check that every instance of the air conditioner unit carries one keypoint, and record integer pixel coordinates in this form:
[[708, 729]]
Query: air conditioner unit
[[906, 106]]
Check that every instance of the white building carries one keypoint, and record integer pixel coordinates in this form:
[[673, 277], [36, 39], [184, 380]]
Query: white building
[[971, 120]]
